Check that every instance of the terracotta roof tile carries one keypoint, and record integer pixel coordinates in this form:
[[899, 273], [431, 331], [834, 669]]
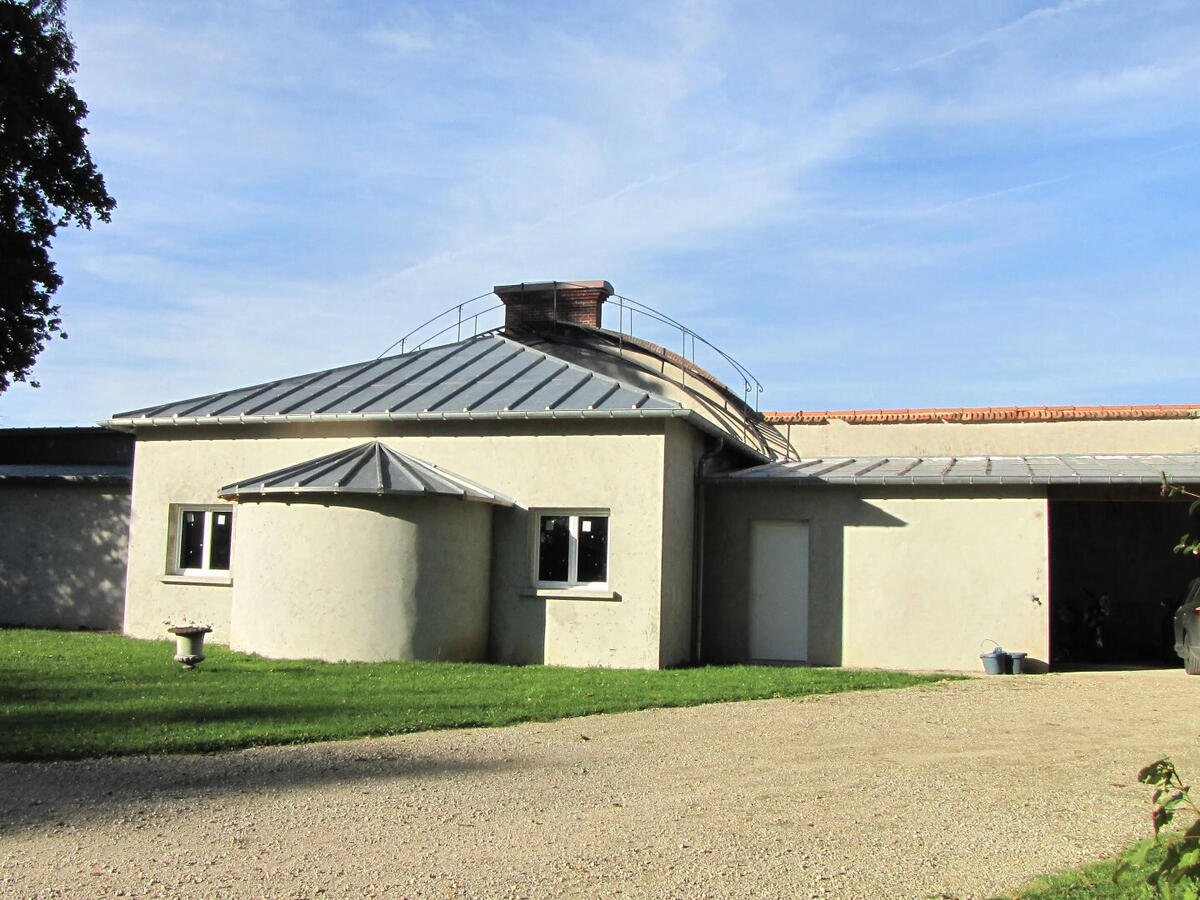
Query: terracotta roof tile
[[983, 414]]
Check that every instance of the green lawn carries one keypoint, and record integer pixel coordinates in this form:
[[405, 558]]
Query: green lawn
[[66, 695], [1095, 881]]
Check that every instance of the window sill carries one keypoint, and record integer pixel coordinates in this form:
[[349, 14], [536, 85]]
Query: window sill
[[218, 580], [570, 594]]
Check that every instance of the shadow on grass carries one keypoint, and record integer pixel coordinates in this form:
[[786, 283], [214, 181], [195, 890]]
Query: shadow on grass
[[66, 696]]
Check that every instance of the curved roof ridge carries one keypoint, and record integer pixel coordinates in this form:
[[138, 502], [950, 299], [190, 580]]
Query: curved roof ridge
[[621, 338]]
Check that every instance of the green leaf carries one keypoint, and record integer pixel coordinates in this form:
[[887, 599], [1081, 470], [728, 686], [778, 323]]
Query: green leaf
[[1169, 867], [1161, 816], [1158, 772]]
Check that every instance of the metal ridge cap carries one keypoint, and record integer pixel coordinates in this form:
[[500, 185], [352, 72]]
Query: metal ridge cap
[[662, 354]]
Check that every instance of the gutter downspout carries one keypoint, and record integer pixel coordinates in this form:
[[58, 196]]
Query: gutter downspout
[[698, 551]]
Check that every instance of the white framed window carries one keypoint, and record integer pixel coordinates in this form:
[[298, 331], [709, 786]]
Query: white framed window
[[570, 548], [201, 540]]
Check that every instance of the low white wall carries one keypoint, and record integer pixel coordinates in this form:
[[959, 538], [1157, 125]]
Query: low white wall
[[385, 578], [62, 555]]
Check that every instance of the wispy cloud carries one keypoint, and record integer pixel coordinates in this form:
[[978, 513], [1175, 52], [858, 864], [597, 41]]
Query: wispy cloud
[[992, 35], [402, 42]]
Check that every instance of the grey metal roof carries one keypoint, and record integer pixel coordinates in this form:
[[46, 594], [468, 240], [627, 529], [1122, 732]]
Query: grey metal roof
[[77, 473], [934, 470], [488, 376], [370, 468]]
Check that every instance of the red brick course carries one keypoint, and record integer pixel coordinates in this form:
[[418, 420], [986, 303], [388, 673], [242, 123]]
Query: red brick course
[[576, 302]]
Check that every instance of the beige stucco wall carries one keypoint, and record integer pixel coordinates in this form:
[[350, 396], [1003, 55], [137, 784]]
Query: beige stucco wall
[[682, 451], [838, 438], [900, 578], [570, 464], [62, 555], [952, 572], [371, 579]]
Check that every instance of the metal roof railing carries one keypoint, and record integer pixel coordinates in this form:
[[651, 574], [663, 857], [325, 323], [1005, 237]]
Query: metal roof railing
[[627, 306], [455, 319], [468, 319]]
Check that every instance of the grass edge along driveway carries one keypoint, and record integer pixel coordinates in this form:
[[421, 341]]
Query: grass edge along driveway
[[1094, 881], [72, 695]]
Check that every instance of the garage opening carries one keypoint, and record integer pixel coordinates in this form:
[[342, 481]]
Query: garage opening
[[1114, 581]]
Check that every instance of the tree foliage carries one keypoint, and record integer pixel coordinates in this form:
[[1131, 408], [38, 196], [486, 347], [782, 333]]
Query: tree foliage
[[1178, 873], [47, 177], [1188, 543]]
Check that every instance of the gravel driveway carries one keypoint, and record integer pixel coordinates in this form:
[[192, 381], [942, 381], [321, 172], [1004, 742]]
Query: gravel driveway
[[962, 790]]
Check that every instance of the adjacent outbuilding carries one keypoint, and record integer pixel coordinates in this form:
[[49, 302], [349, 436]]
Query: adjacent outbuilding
[[914, 562], [64, 526]]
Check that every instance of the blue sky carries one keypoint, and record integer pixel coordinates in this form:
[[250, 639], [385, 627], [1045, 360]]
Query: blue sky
[[896, 205]]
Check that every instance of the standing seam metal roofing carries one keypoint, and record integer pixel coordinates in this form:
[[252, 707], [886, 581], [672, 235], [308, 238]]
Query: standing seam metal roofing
[[1146, 468], [485, 376], [370, 468]]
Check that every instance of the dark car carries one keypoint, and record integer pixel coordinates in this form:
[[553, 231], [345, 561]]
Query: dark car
[[1187, 629]]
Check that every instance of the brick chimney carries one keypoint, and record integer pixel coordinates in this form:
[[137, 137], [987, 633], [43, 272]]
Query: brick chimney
[[541, 303]]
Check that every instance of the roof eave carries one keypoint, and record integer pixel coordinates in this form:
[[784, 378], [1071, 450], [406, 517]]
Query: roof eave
[[765, 475], [293, 490], [67, 479], [132, 424], [934, 481]]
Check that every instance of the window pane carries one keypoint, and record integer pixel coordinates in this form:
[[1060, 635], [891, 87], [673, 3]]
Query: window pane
[[593, 548], [222, 530], [554, 545], [191, 540]]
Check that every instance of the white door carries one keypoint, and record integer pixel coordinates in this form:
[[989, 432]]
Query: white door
[[779, 591]]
